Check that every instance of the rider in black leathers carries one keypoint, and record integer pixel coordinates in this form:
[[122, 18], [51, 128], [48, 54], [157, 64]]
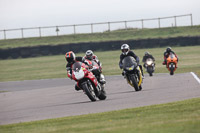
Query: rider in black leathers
[[127, 52]]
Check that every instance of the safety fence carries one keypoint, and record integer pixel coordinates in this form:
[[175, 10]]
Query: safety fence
[[171, 21]]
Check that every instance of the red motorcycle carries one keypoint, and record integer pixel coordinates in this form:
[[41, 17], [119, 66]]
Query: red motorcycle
[[87, 81]]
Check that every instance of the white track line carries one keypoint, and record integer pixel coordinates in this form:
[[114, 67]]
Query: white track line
[[195, 76]]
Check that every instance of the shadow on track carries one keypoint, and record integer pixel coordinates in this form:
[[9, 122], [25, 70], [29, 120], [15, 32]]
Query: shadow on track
[[122, 92]]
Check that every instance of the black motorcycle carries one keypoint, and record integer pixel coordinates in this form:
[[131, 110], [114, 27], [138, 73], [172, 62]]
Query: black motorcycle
[[132, 72]]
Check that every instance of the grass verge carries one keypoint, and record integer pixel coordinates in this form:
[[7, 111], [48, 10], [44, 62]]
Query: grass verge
[[54, 66], [105, 36], [177, 117]]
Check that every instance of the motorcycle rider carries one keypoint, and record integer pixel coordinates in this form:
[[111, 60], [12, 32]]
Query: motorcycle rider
[[167, 53], [127, 52], [146, 56], [92, 57], [71, 59]]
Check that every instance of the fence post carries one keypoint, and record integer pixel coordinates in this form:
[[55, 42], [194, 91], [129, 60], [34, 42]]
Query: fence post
[[159, 23], [175, 20], [125, 24], [91, 28], [191, 20], [40, 32], [22, 32], [142, 23], [108, 26], [4, 31], [74, 29], [57, 30]]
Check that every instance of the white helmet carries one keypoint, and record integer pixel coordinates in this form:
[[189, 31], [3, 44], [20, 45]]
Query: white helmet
[[125, 49], [89, 54]]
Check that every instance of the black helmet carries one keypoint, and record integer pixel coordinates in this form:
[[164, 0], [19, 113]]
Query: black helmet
[[125, 49], [168, 49], [70, 56], [89, 54]]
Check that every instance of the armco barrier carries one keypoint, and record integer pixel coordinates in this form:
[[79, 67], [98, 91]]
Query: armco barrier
[[25, 52]]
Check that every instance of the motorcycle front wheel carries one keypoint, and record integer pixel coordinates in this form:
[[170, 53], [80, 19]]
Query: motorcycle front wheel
[[89, 90], [171, 72], [134, 82], [171, 69], [150, 71]]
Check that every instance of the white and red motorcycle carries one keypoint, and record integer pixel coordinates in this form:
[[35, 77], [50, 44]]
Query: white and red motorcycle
[[87, 81]]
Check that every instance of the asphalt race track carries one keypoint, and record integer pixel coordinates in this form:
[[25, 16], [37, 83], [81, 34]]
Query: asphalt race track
[[52, 98]]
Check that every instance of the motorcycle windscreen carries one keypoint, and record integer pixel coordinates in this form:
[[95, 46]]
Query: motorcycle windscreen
[[172, 55], [76, 66], [128, 61]]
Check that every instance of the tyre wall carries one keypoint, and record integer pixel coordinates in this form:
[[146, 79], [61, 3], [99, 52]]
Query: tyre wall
[[25, 52]]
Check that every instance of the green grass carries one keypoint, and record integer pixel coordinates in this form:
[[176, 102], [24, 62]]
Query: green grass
[[176, 117], [105, 36], [54, 66]]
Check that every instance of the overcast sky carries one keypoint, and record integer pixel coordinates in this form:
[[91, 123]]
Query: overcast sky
[[37, 13]]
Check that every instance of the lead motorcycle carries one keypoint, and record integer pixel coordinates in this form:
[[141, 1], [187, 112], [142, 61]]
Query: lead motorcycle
[[132, 73], [149, 66], [87, 81]]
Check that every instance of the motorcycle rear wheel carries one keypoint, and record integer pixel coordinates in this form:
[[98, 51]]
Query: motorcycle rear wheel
[[89, 90], [102, 95]]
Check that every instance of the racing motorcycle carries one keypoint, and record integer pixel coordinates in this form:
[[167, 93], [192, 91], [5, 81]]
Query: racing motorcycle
[[132, 73], [95, 69], [87, 81], [171, 63], [150, 66]]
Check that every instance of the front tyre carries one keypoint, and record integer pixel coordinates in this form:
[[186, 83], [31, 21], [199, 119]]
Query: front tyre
[[172, 69], [171, 72], [89, 90], [134, 83], [150, 71]]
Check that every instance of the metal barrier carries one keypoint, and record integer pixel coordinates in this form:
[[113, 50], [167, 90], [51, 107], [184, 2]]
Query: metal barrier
[[106, 26]]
